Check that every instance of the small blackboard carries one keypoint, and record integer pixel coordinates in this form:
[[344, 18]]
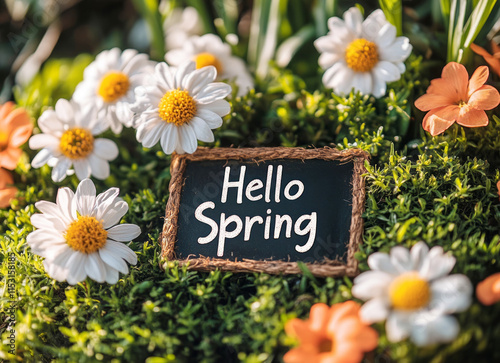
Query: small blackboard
[[265, 209]]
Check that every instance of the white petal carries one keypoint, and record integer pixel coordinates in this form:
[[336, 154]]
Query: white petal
[[120, 250], [60, 170], [51, 209], [429, 329], [124, 232], [41, 158], [152, 133], [43, 141], [371, 284], [50, 124], [199, 79], [220, 107], [362, 82], [94, 267], [76, 268], [451, 294], [82, 168], [56, 267], [212, 92], [104, 201], [374, 311], [48, 222], [169, 139], [105, 149], [386, 36], [398, 51], [398, 326], [85, 197], [382, 262], [44, 241], [112, 275], [202, 130], [437, 264], [386, 71], [99, 167], [113, 261], [353, 20], [115, 214], [64, 111], [187, 139], [418, 254], [182, 71], [212, 119], [65, 202], [401, 259]]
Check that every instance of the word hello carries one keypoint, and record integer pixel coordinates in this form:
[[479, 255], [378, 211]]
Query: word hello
[[254, 191]]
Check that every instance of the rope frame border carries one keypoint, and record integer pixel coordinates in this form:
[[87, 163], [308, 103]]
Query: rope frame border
[[326, 268]]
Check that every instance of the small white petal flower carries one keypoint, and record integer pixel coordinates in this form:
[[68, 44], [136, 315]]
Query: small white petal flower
[[414, 293], [67, 140], [109, 83], [364, 55], [209, 50], [79, 235], [180, 25], [183, 107]]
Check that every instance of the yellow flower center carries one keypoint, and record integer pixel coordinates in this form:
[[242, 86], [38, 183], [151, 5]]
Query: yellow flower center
[[76, 143], [361, 55], [177, 107], [113, 86], [208, 59], [326, 345], [409, 292], [86, 234], [4, 141]]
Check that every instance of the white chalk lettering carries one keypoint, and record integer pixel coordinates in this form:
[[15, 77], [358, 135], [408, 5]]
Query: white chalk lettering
[[224, 233], [249, 224], [279, 222], [199, 216], [254, 185], [289, 186], [310, 228], [227, 184]]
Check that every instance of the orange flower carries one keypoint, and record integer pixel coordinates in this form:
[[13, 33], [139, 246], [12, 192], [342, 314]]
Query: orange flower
[[488, 290], [492, 59], [6, 193], [454, 98], [498, 188], [15, 130], [331, 334]]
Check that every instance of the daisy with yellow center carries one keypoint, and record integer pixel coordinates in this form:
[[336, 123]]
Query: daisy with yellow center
[[414, 293], [210, 50], [79, 235], [109, 83], [182, 108], [361, 55], [68, 140]]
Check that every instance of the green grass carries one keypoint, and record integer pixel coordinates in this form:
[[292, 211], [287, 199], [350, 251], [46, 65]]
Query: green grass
[[440, 190]]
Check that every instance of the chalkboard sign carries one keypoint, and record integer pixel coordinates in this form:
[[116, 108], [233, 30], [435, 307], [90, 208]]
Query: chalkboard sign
[[265, 209]]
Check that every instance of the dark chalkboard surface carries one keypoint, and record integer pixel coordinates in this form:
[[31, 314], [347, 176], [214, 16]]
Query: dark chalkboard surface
[[264, 209]]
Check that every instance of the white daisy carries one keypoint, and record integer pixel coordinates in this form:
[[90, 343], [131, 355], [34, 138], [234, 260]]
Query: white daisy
[[412, 290], [109, 83], [364, 55], [180, 25], [181, 108], [209, 50], [67, 140], [79, 235]]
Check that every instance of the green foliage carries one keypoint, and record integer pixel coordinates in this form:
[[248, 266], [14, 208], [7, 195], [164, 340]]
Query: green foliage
[[442, 191]]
